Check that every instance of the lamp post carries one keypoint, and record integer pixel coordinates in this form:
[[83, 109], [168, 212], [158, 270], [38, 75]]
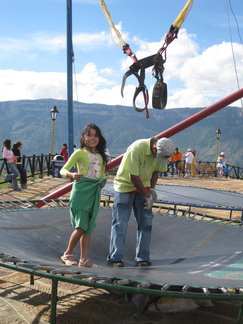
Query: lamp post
[[54, 112], [218, 134]]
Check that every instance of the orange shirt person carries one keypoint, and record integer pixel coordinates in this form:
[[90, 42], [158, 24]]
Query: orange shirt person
[[177, 156]]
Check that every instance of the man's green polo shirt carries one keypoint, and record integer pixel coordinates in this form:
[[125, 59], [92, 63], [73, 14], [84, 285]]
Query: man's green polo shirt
[[139, 161]]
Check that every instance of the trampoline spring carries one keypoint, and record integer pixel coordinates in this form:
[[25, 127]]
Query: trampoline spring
[[185, 288], [203, 216], [183, 212], [3, 255], [11, 259], [47, 203], [144, 285], [63, 271], [165, 287], [27, 265], [224, 290], [205, 290], [240, 290], [159, 209], [169, 209], [121, 282], [44, 268], [101, 279], [81, 276], [62, 203], [14, 204], [55, 202]]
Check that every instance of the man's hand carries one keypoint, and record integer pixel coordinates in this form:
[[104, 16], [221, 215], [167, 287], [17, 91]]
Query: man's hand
[[153, 194], [148, 203]]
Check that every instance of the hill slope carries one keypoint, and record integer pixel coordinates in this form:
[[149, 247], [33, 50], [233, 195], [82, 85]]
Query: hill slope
[[30, 122]]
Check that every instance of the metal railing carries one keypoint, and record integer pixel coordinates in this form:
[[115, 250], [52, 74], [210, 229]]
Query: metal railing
[[35, 165], [206, 168], [40, 165]]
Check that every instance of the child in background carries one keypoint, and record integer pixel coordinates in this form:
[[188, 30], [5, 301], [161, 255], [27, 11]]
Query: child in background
[[64, 152], [85, 196]]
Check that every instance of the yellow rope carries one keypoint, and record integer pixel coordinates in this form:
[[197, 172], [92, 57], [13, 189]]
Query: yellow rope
[[112, 26], [183, 14]]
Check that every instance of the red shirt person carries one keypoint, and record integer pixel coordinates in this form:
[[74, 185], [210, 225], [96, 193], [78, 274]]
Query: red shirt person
[[64, 152]]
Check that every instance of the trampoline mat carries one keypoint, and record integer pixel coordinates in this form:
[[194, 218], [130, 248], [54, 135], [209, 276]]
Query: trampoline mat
[[192, 196], [183, 251]]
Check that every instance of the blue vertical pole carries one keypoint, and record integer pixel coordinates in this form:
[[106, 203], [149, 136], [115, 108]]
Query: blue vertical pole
[[70, 57]]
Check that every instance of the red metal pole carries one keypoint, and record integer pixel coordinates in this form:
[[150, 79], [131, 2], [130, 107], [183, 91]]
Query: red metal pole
[[189, 121], [167, 133]]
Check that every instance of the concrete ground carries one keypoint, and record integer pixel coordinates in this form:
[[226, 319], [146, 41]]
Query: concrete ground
[[21, 302]]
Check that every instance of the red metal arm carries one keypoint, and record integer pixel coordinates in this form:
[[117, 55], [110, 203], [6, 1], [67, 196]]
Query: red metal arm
[[167, 133]]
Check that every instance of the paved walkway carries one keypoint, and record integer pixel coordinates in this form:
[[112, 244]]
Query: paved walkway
[[37, 189]]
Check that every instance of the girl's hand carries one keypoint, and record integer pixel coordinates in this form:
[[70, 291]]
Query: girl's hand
[[102, 185], [76, 176]]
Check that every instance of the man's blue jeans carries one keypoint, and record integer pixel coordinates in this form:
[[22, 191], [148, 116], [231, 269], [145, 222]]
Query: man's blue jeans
[[123, 205]]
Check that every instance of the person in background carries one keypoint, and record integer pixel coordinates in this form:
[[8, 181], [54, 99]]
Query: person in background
[[90, 160], [188, 162], [64, 151], [220, 164], [171, 163], [224, 171], [178, 158], [11, 161], [107, 153], [134, 185], [23, 175], [194, 164]]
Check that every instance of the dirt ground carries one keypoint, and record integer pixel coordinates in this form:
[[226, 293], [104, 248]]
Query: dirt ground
[[21, 302]]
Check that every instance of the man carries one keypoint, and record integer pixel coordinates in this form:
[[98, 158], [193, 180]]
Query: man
[[188, 162], [134, 189]]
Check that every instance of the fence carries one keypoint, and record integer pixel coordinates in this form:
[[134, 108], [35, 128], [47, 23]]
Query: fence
[[35, 165], [40, 165], [208, 169]]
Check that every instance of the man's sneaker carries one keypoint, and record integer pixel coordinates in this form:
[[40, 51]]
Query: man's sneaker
[[115, 264], [142, 263]]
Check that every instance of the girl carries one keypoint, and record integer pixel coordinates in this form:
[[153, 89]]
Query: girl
[[23, 175], [90, 161], [11, 161]]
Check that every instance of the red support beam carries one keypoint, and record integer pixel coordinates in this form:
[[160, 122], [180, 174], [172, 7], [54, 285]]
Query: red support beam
[[167, 133]]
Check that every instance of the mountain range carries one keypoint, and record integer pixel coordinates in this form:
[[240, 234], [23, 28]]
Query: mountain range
[[29, 121]]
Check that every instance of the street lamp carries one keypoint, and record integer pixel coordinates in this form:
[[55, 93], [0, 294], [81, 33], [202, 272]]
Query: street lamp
[[218, 134], [54, 112]]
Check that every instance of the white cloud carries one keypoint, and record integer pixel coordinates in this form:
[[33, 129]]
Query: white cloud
[[195, 78]]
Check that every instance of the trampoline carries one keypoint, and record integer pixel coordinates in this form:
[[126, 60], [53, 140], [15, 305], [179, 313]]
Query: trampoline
[[191, 257], [193, 196]]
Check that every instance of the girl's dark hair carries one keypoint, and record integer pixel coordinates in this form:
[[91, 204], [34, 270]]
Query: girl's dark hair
[[7, 144], [102, 142], [16, 145]]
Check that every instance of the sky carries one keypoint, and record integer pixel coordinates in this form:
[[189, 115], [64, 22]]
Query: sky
[[203, 65]]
